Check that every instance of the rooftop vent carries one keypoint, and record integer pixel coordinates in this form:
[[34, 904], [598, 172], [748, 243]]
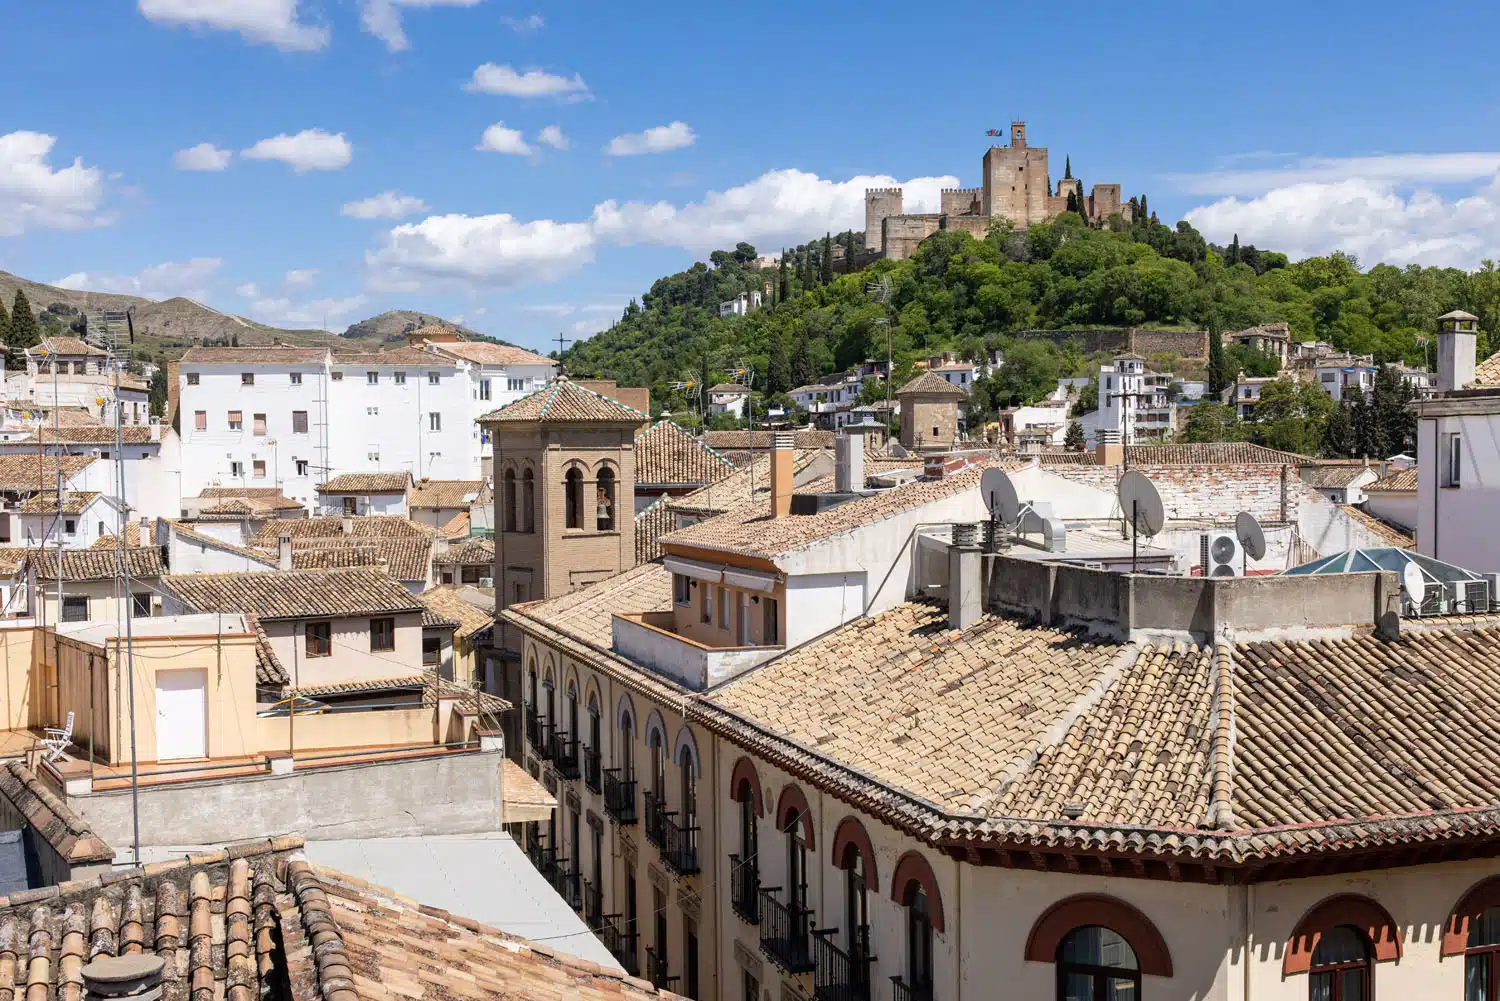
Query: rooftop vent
[[132, 977], [1072, 810]]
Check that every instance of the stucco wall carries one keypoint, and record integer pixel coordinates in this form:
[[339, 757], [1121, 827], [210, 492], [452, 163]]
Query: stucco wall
[[1455, 524], [1396, 508], [351, 657]]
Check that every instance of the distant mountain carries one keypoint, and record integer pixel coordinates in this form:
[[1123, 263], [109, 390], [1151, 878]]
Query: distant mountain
[[395, 324]]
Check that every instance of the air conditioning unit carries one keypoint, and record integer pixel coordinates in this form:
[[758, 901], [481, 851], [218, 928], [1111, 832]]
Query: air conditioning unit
[[486, 582], [1473, 597], [1221, 554]]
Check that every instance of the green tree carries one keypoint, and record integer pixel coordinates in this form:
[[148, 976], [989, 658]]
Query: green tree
[[1234, 251], [158, 398], [778, 368], [1030, 372], [24, 331], [825, 260], [1067, 167], [851, 256], [781, 290], [4, 327], [1292, 415], [1073, 440], [1207, 422], [1072, 201], [1218, 376], [802, 366]]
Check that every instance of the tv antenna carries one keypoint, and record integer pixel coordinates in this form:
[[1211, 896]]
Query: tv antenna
[[1141, 505], [1252, 539], [562, 342]]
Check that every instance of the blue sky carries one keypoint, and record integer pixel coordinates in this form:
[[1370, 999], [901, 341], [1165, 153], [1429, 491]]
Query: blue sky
[[230, 149]]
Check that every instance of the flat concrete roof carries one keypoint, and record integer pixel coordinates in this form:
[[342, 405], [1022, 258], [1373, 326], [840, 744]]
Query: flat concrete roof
[[159, 626]]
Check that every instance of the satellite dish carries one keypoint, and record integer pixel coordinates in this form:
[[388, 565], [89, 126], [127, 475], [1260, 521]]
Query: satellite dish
[[1141, 504], [1247, 529], [1414, 584], [999, 495]]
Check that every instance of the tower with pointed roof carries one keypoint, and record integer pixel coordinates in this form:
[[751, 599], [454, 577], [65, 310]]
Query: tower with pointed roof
[[929, 413]]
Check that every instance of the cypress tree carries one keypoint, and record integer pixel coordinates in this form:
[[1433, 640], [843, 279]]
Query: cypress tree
[[778, 368], [1234, 251], [1145, 212], [1072, 201], [825, 271], [1218, 378], [4, 327], [1067, 167], [849, 255], [24, 332], [802, 369], [781, 277]]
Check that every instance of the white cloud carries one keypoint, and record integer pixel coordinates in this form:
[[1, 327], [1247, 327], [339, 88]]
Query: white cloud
[[192, 278], [489, 250], [382, 18], [33, 195], [247, 290], [272, 22], [310, 149], [499, 139], [204, 156], [388, 204], [524, 25], [321, 314], [504, 81], [661, 139], [301, 276], [1396, 168], [553, 136]]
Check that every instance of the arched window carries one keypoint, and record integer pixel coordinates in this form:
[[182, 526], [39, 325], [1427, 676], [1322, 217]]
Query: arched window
[[658, 767], [573, 710], [1340, 969], [687, 806], [533, 726], [604, 511], [1097, 964], [626, 761], [919, 942], [528, 501], [549, 709], [573, 497], [853, 853], [796, 860], [1482, 958], [508, 500], [594, 727]]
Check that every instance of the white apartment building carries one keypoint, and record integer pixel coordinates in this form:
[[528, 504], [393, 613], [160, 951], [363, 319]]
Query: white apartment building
[[68, 372], [1134, 402], [1338, 375], [740, 305], [293, 418], [728, 398]]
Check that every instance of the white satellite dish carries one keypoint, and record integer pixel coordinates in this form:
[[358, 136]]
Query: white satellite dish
[[1141, 505], [1252, 539], [1000, 497], [1414, 584]]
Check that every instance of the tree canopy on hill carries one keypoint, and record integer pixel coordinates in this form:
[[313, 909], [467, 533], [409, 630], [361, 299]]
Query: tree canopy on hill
[[968, 295]]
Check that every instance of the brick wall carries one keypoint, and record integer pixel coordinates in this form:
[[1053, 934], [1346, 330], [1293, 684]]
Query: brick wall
[[1184, 344], [880, 204], [962, 201], [928, 424], [901, 234], [1215, 493]]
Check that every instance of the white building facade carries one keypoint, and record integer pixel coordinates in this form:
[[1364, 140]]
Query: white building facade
[[1134, 402]]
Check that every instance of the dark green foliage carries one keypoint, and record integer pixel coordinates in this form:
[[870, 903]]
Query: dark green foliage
[[1072, 201], [802, 366], [1252, 361], [158, 398], [1207, 422], [1218, 376], [1234, 251], [1067, 167], [1073, 440], [778, 369], [825, 260], [4, 326], [25, 332]]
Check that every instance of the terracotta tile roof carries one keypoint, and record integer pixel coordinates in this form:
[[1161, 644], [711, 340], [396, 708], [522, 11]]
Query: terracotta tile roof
[[654, 521], [1334, 476], [257, 357], [1221, 453], [97, 564], [366, 483], [485, 353], [444, 493], [11, 558], [448, 602], [729, 387], [21, 472], [930, 384], [335, 558], [294, 594], [1389, 534], [1401, 480], [396, 357], [734, 490], [429, 683], [761, 440], [666, 453], [355, 686], [587, 614], [269, 671], [259, 498], [563, 400], [368, 526], [74, 502], [72, 417], [457, 527], [187, 532], [406, 559], [1487, 372], [471, 551], [86, 434], [66, 346], [50, 816]]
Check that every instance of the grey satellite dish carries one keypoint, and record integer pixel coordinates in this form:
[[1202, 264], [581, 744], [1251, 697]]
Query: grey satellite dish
[[1414, 584], [999, 495], [1141, 505], [1252, 539]]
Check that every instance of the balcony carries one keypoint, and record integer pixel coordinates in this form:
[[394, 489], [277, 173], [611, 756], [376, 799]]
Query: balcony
[[559, 873], [655, 813], [648, 639], [534, 729], [619, 796], [565, 754], [620, 943], [656, 969], [678, 844], [902, 991], [785, 932], [591, 768], [593, 903], [840, 975], [744, 888]]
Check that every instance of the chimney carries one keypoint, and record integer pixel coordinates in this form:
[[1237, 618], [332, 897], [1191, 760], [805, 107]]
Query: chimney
[[781, 474], [131, 977], [965, 595], [1109, 453], [346, 525], [849, 463], [1457, 335], [144, 539], [284, 552]]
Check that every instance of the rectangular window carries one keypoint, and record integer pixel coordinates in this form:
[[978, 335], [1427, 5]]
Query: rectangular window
[[140, 606], [75, 609], [515, 385], [400, 378], [1453, 460], [301, 466], [236, 468], [299, 422], [247, 378], [682, 589], [319, 639], [372, 411], [192, 378], [434, 422], [200, 420], [258, 469], [724, 608], [484, 389], [296, 378], [373, 456], [689, 959], [338, 377], [258, 424], [236, 420], [752, 986], [382, 634], [432, 378], [470, 574], [708, 605], [432, 651], [372, 378], [770, 628], [70, 525]]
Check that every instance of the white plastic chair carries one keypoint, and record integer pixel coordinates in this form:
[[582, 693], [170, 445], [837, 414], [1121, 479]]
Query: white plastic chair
[[57, 741]]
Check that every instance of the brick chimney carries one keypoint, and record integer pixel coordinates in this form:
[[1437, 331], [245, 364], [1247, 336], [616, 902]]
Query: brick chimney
[[1109, 453], [781, 474]]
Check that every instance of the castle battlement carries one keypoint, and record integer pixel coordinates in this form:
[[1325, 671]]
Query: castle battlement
[[882, 191], [960, 191]]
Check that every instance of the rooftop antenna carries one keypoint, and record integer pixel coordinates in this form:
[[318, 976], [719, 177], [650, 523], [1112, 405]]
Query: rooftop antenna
[[999, 495], [1252, 539], [1415, 585], [561, 343], [1142, 507], [881, 292]]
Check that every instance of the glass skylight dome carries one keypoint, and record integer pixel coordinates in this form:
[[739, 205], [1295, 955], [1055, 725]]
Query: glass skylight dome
[[1449, 589]]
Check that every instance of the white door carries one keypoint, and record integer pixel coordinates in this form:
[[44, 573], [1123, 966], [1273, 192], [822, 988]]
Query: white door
[[181, 714]]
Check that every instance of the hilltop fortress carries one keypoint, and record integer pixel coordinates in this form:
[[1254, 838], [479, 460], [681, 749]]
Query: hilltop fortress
[[1015, 186]]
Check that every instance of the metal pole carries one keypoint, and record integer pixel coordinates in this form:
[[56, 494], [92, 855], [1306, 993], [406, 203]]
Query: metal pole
[[128, 612], [1135, 533]]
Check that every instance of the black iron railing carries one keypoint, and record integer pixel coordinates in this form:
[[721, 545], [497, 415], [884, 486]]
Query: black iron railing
[[533, 728], [540, 855], [593, 903], [785, 932], [656, 812], [656, 969], [565, 754], [744, 888], [840, 975], [903, 991], [564, 879], [620, 943], [679, 845], [619, 796], [591, 768]]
